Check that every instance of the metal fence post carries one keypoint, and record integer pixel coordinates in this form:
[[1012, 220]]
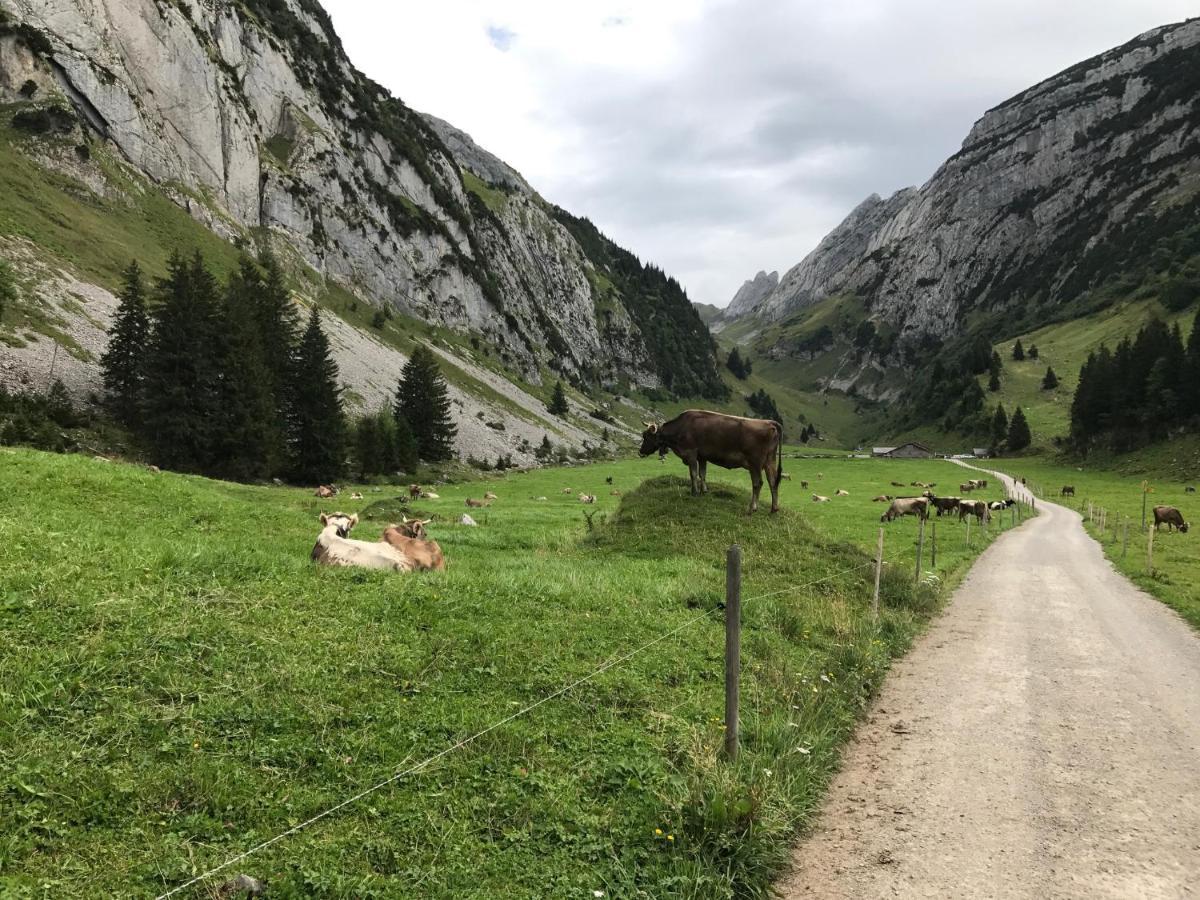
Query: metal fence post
[[733, 637]]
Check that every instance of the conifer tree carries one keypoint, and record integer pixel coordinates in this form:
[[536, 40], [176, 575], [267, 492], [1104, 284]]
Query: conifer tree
[[406, 453], [423, 401], [993, 382], [124, 361], [558, 401], [182, 375], [248, 439], [546, 449], [277, 332], [316, 424], [1018, 351], [999, 427], [8, 290], [1049, 380], [1019, 436], [1032, 352]]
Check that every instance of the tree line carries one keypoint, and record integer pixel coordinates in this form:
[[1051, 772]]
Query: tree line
[[1141, 391], [223, 380]]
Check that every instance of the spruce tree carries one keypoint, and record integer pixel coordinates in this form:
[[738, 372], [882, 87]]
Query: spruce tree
[[993, 382], [736, 365], [406, 453], [248, 439], [423, 401], [1049, 380], [558, 401], [124, 361], [368, 446], [1018, 351], [277, 332], [317, 428], [1032, 352], [182, 373], [999, 427], [1019, 436], [8, 290]]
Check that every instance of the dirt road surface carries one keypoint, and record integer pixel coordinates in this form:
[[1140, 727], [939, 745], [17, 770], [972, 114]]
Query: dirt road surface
[[1041, 740]]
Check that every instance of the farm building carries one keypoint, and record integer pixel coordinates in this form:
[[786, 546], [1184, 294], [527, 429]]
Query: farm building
[[910, 450], [981, 453]]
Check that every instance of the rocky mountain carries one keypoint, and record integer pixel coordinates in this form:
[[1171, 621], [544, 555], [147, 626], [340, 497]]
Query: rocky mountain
[[1057, 194], [751, 294], [249, 115]]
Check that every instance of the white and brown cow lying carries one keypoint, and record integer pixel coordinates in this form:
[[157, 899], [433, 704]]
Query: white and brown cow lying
[[334, 547], [410, 538]]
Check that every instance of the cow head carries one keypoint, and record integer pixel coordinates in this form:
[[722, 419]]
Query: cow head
[[1183, 528], [413, 528], [651, 440], [342, 522]]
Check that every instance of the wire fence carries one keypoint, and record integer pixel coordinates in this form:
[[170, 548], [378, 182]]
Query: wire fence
[[425, 763]]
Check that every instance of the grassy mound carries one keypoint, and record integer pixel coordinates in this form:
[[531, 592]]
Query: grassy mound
[[178, 682]]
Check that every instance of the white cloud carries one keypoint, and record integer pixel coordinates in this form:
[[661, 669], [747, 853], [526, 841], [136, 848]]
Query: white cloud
[[715, 137]]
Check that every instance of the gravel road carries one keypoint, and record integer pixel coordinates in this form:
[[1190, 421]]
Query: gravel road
[[1041, 740]]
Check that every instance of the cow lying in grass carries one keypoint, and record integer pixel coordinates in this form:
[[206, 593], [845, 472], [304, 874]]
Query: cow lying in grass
[[411, 539], [334, 547]]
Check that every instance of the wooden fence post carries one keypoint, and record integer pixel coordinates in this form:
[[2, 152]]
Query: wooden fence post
[[733, 637], [1150, 552], [1125, 544], [920, 549], [878, 572], [933, 545], [968, 531]]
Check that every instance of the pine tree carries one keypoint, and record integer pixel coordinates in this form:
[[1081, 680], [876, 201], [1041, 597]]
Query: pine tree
[[558, 401], [317, 428], [248, 438], [8, 290], [368, 446], [124, 361], [1018, 351], [423, 401], [406, 453], [182, 372], [277, 333], [545, 449], [1049, 380], [993, 382], [1032, 352], [735, 364], [1019, 436], [999, 427]]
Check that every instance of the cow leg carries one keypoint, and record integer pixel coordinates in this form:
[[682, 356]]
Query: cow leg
[[772, 470], [704, 476], [693, 473], [756, 486]]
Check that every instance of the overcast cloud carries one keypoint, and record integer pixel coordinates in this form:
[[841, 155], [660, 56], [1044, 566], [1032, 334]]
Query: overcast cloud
[[718, 138]]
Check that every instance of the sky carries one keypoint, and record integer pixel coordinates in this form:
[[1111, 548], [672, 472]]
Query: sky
[[717, 138]]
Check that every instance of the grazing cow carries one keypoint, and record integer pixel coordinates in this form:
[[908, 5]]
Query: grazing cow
[[817, 498], [943, 505], [906, 506], [490, 496], [804, 485], [477, 504], [1171, 516], [410, 538], [786, 476], [699, 437], [1189, 490], [414, 491], [334, 547], [976, 508], [587, 498], [840, 493], [1068, 490], [325, 491]]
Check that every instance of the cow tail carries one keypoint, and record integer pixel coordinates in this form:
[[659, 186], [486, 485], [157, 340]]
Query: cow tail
[[779, 457]]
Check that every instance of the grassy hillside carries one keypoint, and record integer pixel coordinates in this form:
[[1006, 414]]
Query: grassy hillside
[[1176, 576], [178, 682], [1065, 346]]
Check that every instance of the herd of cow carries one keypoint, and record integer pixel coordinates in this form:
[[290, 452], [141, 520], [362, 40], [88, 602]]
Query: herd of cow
[[920, 506]]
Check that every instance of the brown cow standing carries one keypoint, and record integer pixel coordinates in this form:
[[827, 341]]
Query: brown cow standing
[[699, 437], [1171, 517]]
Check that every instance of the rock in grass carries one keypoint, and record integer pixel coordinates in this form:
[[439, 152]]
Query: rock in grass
[[243, 883], [467, 520]]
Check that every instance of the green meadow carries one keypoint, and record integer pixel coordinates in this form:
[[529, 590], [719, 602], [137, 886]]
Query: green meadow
[[178, 682], [1176, 575]]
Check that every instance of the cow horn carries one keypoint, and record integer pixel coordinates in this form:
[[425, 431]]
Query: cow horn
[[404, 519]]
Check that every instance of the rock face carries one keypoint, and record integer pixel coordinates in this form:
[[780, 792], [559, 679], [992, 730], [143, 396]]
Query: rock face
[[751, 294], [1051, 194], [250, 115]]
